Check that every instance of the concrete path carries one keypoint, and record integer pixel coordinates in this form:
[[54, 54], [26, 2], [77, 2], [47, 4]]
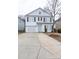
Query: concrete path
[[38, 46]]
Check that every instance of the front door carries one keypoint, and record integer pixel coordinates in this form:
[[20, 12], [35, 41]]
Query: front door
[[45, 28]]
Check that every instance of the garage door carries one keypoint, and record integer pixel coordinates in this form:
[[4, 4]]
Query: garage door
[[31, 29]]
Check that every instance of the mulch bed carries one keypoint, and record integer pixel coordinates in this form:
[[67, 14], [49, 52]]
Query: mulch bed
[[56, 36]]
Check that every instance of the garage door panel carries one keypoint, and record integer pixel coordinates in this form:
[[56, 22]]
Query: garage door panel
[[31, 29]]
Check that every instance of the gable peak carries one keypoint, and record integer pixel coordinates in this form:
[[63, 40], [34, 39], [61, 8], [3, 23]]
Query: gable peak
[[39, 12]]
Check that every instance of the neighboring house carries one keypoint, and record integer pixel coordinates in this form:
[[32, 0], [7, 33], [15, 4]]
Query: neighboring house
[[58, 25], [21, 24], [38, 21]]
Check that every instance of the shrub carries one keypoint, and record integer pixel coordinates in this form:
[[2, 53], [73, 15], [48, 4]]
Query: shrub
[[59, 30]]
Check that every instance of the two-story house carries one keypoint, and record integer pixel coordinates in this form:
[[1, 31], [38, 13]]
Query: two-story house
[[38, 21]]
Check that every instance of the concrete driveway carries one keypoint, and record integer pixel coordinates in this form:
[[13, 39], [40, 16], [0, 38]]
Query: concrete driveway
[[38, 46]]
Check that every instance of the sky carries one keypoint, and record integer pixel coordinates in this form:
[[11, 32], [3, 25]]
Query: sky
[[26, 6]]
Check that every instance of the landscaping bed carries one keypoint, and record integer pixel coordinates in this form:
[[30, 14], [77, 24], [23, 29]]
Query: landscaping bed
[[56, 36]]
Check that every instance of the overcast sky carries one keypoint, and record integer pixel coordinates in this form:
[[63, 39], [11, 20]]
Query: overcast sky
[[26, 6]]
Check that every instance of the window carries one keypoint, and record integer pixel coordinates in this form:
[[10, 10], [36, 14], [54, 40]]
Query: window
[[38, 18], [34, 19], [44, 20], [41, 18], [27, 19], [50, 20]]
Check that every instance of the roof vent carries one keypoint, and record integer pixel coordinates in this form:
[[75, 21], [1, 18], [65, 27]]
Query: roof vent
[[39, 12]]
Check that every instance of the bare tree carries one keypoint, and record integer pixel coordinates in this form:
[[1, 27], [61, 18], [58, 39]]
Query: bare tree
[[54, 8]]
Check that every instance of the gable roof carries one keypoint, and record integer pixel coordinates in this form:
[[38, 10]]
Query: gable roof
[[36, 10]]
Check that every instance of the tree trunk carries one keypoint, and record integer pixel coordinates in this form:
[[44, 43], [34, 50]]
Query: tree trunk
[[53, 20], [53, 26]]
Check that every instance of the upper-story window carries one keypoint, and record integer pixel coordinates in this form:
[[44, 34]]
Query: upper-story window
[[44, 20], [39, 18], [34, 19], [27, 19], [50, 20]]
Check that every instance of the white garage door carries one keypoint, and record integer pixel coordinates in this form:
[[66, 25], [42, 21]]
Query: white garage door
[[31, 29]]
